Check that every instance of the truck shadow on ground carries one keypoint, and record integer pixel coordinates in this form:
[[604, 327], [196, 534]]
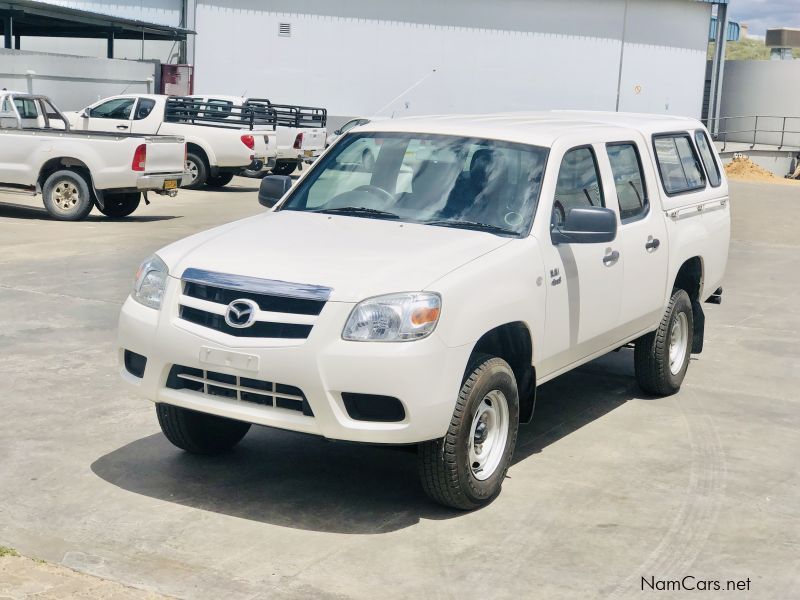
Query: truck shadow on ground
[[20, 211], [304, 482]]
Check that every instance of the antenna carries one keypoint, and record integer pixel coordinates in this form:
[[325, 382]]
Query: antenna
[[403, 93]]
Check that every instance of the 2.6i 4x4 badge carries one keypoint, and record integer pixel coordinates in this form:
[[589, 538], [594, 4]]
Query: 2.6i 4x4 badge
[[241, 313]]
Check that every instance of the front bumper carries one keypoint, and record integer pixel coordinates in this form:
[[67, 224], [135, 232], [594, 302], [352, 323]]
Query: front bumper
[[424, 375], [156, 182]]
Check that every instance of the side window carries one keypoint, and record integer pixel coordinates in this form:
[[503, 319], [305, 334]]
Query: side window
[[144, 109], [578, 183], [26, 108], [678, 163], [118, 108], [707, 154], [626, 165]]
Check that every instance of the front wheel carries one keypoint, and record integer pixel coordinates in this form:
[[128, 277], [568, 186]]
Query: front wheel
[[120, 204], [218, 181], [199, 433], [465, 469], [661, 357]]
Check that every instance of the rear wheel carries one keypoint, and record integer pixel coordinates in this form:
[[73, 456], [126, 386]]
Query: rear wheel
[[66, 196], [199, 433], [661, 357], [284, 167], [198, 170], [220, 180], [465, 469], [120, 205]]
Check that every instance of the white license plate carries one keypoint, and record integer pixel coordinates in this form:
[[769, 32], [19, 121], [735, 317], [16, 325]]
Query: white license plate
[[226, 358]]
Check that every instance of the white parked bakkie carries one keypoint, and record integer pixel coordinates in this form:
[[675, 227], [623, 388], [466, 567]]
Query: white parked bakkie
[[424, 299], [216, 150], [77, 170]]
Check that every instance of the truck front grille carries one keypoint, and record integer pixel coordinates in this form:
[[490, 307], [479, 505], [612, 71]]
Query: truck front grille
[[256, 391], [285, 310]]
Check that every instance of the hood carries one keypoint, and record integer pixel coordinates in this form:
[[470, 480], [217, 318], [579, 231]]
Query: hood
[[356, 257]]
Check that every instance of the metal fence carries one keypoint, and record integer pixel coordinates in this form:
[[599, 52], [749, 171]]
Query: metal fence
[[771, 130]]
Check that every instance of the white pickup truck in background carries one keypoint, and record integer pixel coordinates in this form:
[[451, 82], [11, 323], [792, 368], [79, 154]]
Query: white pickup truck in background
[[477, 258], [301, 133], [217, 149], [75, 170]]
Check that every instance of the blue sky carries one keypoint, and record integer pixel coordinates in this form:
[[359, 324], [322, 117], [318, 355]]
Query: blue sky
[[761, 15]]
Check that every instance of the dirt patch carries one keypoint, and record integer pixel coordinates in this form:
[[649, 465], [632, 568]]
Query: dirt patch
[[744, 169]]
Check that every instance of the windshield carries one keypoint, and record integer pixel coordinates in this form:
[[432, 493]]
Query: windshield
[[439, 180]]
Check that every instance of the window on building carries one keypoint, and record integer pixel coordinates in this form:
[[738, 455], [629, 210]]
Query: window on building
[[707, 154], [578, 184], [678, 163], [626, 165], [118, 108]]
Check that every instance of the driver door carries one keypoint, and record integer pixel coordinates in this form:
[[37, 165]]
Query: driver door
[[114, 116]]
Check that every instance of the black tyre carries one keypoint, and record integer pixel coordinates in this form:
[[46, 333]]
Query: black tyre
[[120, 205], [465, 469], [198, 169], [67, 196], [199, 433], [661, 357], [284, 167], [220, 180]]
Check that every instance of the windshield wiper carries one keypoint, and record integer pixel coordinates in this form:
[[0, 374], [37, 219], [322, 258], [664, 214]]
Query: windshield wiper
[[359, 211], [473, 225]]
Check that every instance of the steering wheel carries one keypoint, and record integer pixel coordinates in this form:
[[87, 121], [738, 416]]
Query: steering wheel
[[378, 191]]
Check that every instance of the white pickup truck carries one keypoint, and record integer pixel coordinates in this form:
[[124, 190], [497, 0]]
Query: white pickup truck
[[422, 301], [75, 171], [301, 133], [217, 149]]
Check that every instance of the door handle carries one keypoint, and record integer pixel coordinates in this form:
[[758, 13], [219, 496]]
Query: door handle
[[610, 258], [122, 126], [652, 244]]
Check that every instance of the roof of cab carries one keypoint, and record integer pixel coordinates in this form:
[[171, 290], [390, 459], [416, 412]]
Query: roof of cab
[[542, 127]]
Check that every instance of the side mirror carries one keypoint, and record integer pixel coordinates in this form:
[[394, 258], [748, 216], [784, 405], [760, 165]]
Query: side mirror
[[593, 225], [337, 132], [272, 189], [84, 113]]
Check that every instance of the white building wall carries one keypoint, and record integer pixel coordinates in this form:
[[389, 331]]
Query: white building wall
[[73, 82], [355, 56]]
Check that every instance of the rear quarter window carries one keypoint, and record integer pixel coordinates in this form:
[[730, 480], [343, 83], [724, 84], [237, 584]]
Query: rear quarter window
[[678, 163]]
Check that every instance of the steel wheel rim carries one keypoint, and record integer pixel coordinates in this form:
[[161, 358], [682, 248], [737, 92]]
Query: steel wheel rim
[[678, 343], [488, 435], [66, 195], [191, 167]]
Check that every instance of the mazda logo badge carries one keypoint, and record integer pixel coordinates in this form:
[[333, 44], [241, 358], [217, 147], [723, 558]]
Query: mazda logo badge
[[241, 313]]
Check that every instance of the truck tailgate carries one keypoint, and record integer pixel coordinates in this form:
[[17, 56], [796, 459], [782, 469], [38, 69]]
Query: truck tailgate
[[313, 139], [165, 154]]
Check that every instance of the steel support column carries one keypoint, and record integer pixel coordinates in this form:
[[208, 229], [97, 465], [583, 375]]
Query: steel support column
[[718, 68], [8, 30], [110, 45]]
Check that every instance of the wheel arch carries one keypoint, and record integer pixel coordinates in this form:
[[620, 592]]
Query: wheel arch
[[690, 279], [61, 163], [513, 343]]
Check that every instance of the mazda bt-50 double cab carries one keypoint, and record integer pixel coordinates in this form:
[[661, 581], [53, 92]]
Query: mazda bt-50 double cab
[[423, 297]]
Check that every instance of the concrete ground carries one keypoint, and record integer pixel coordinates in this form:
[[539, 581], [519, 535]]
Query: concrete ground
[[607, 487]]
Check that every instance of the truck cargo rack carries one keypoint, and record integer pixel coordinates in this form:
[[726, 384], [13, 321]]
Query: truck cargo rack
[[180, 109], [290, 115]]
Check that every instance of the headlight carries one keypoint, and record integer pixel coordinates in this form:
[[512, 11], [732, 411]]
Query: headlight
[[151, 279], [394, 318]]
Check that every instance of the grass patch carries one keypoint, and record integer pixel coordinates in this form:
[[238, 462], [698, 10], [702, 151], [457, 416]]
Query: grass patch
[[6, 551]]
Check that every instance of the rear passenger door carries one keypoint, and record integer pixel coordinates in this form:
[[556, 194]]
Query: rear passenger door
[[584, 281], [642, 237]]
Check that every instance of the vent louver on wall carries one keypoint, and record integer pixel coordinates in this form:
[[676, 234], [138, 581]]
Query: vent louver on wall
[[285, 29]]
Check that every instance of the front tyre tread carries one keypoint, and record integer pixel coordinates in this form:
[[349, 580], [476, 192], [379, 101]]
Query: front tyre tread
[[199, 433]]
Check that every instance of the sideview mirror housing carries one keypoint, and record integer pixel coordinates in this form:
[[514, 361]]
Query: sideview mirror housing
[[592, 225], [272, 189], [84, 113], [337, 132]]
